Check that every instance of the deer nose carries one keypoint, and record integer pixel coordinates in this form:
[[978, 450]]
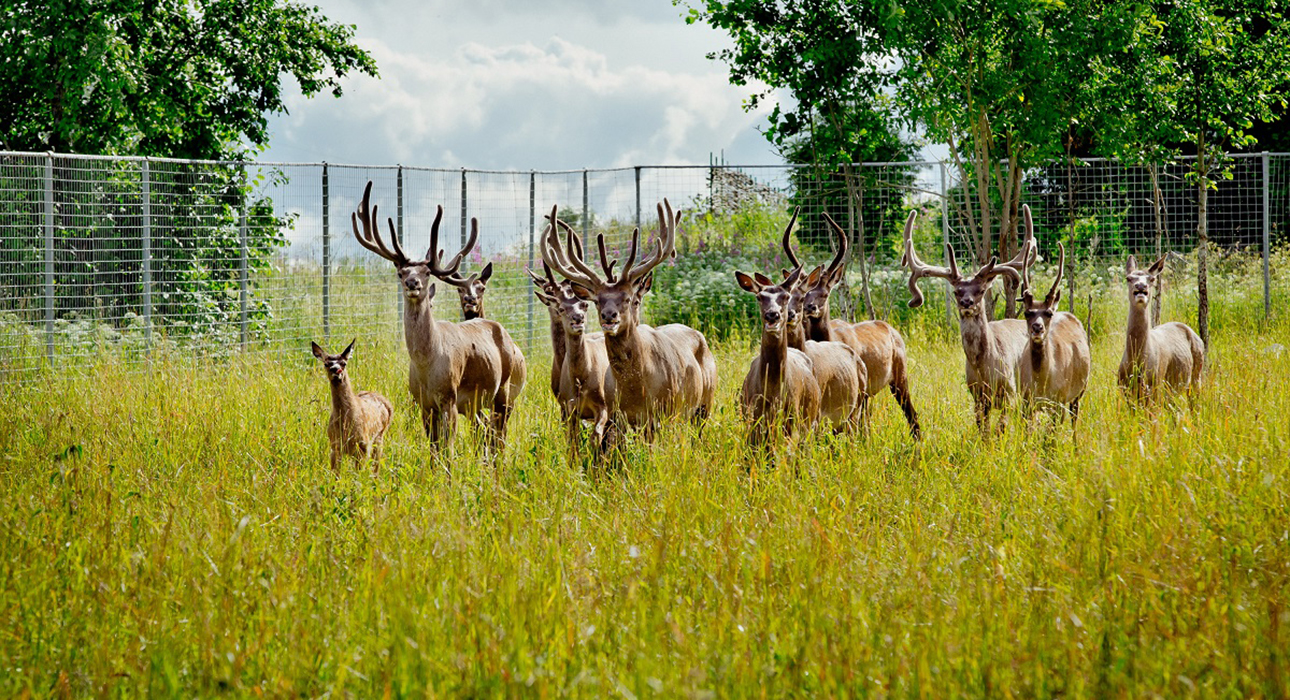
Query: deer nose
[[1037, 327], [412, 283], [772, 316]]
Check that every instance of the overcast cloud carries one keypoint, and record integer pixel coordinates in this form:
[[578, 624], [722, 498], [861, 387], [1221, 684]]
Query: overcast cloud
[[510, 84]]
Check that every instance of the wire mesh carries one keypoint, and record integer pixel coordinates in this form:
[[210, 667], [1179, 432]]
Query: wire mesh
[[139, 257]]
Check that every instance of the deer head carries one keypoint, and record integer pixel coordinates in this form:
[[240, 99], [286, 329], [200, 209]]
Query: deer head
[[617, 296], [1142, 281], [334, 364], [559, 297], [414, 274], [471, 291], [1039, 314], [819, 284], [774, 299], [969, 291]]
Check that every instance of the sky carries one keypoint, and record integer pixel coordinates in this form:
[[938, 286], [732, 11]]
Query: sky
[[524, 85]]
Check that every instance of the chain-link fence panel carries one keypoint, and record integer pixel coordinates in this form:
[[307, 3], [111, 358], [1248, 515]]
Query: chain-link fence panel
[[140, 257]]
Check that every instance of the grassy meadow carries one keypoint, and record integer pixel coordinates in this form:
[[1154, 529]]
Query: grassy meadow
[[178, 531]]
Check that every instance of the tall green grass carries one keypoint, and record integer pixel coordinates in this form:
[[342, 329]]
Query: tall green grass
[[178, 532]]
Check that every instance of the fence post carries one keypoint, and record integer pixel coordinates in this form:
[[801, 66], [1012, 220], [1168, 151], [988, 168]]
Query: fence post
[[461, 243], [586, 211], [243, 281], [49, 257], [399, 291], [638, 197], [326, 253], [532, 225], [945, 235], [1267, 239], [146, 176]]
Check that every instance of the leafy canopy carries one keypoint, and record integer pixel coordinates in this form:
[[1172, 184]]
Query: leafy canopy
[[182, 78]]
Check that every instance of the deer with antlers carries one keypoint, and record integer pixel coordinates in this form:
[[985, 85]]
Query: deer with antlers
[[452, 367], [1055, 370], [993, 349], [657, 372], [583, 382], [879, 346], [1169, 357]]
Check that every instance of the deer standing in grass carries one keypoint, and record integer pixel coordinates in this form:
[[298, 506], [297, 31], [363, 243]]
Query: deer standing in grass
[[993, 350], [585, 388], [453, 368], [880, 346], [358, 420], [1167, 358], [550, 289], [470, 289], [791, 386], [657, 372], [1056, 368]]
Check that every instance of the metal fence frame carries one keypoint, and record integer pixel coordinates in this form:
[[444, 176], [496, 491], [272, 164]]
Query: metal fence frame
[[934, 182]]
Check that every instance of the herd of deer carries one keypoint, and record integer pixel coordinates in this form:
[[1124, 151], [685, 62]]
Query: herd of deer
[[810, 368]]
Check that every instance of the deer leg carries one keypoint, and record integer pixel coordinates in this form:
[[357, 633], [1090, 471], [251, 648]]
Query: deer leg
[[900, 389], [335, 459], [427, 422], [376, 456], [982, 410]]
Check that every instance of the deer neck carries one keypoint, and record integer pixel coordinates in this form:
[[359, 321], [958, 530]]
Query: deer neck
[[557, 350], [817, 328], [774, 359], [626, 353], [977, 338], [797, 337], [575, 349], [418, 327], [343, 398], [1138, 333]]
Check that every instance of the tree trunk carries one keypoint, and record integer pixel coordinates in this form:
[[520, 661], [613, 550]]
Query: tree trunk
[[855, 222], [1158, 201], [1202, 272]]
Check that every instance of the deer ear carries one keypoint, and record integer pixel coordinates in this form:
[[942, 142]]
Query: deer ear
[[581, 292], [543, 297], [318, 351], [763, 280], [837, 276], [430, 292], [747, 283], [814, 278], [646, 284], [486, 273], [348, 349], [1057, 296], [1157, 266], [1130, 265]]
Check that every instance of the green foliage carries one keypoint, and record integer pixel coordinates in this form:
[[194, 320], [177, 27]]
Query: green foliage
[[178, 78]]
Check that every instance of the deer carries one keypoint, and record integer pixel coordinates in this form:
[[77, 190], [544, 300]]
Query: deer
[[550, 289], [657, 372], [1055, 370], [878, 344], [993, 350], [453, 368], [774, 388], [470, 289], [585, 386], [1168, 358], [358, 419]]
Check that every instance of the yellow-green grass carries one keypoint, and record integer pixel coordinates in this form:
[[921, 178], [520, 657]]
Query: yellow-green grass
[[178, 532]]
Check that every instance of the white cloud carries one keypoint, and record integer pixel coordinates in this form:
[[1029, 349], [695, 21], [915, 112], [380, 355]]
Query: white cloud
[[558, 103]]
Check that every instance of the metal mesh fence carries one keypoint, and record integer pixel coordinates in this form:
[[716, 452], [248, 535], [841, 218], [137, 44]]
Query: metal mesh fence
[[143, 256]]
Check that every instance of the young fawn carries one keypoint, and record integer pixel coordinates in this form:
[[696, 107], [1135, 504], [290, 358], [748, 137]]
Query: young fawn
[[358, 420]]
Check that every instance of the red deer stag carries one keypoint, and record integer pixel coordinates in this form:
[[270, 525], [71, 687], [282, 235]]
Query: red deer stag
[[452, 367], [878, 344], [1055, 371], [470, 289], [993, 349], [1167, 358], [657, 372]]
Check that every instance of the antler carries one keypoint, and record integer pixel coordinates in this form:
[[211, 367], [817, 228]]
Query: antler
[[788, 248], [1061, 266], [1016, 268], [434, 255], [568, 263], [370, 238], [918, 269], [665, 244], [843, 246]]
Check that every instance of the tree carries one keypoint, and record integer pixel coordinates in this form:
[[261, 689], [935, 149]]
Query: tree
[[833, 57], [1202, 74], [179, 78]]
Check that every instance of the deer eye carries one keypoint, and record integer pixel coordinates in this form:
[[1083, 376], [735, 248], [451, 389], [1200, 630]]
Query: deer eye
[[1048, 313]]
